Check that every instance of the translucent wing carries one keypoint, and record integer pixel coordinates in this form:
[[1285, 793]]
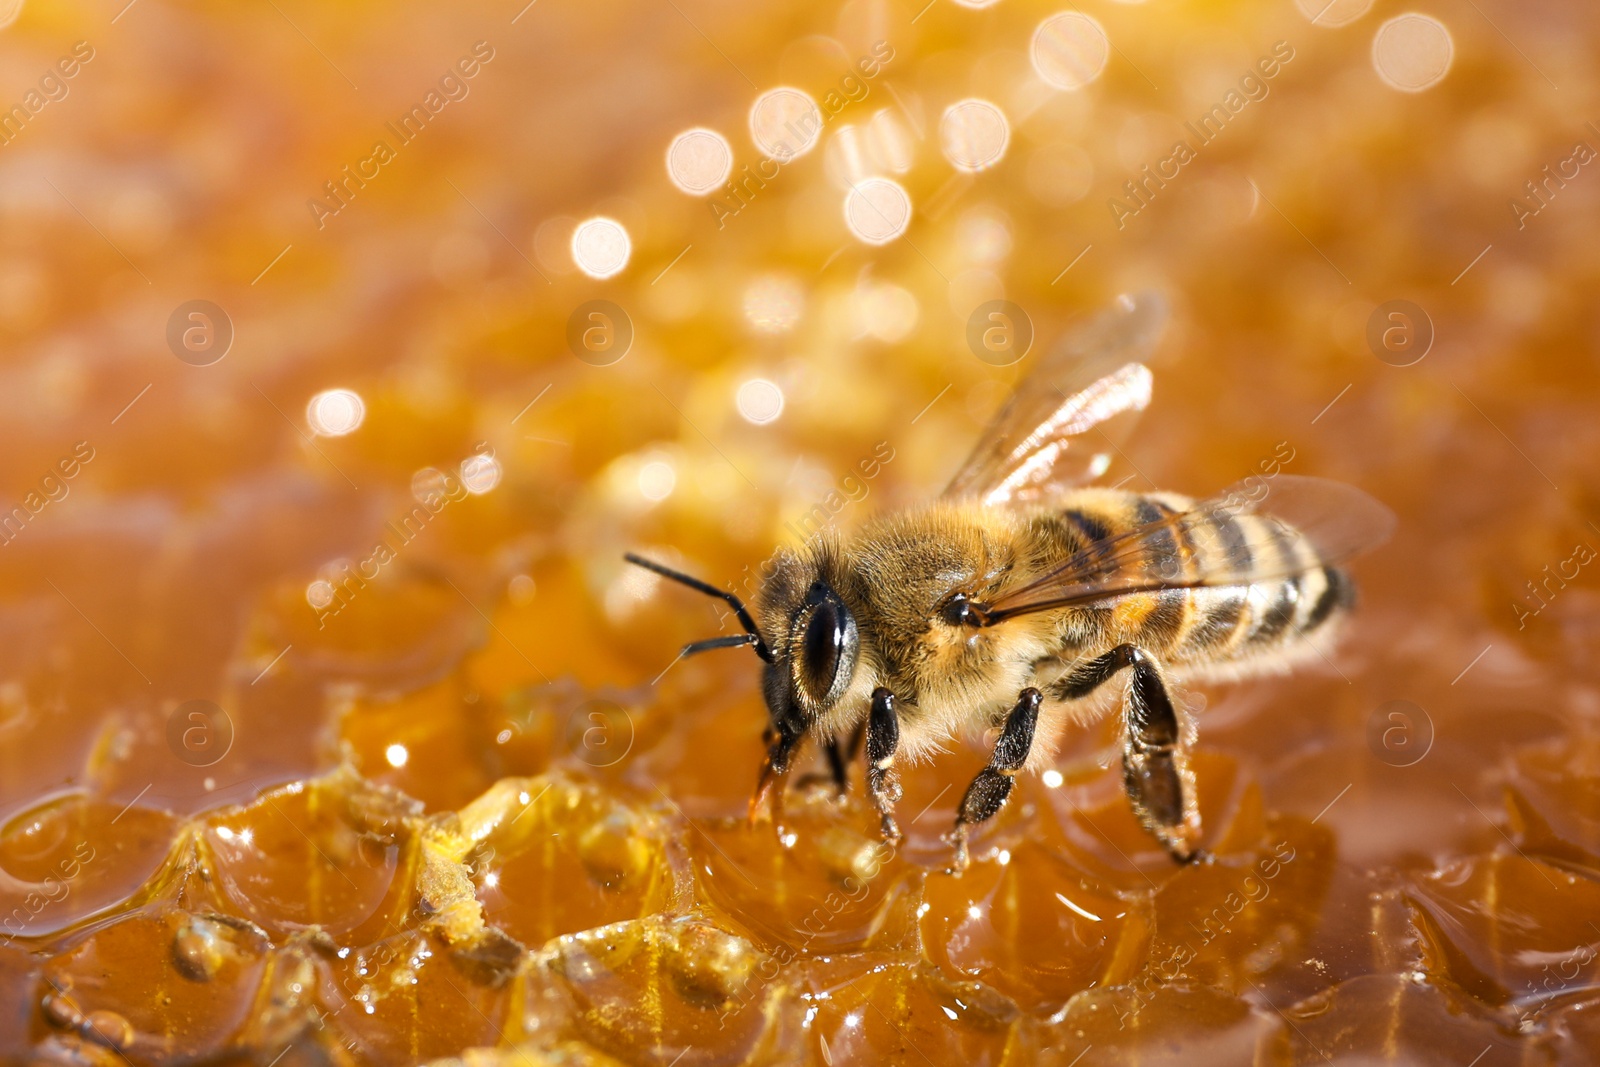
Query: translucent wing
[[1062, 423], [1256, 531]]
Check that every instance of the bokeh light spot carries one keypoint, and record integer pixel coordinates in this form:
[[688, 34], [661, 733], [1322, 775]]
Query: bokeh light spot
[[657, 480], [429, 485], [785, 123], [480, 473], [699, 160], [759, 401], [1070, 50], [336, 412], [522, 589], [877, 211], [600, 247], [974, 134], [1412, 52]]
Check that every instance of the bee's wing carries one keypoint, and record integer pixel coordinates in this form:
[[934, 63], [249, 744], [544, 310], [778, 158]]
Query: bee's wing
[[1256, 531], [1061, 424]]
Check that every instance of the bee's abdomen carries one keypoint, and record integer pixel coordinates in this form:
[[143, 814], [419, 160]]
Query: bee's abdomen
[[1284, 591], [1235, 622], [1285, 594]]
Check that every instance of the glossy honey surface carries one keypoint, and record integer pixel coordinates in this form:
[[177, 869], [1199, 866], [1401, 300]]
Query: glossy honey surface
[[333, 729]]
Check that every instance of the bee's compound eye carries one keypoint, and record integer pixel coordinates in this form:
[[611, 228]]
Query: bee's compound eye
[[821, 649]]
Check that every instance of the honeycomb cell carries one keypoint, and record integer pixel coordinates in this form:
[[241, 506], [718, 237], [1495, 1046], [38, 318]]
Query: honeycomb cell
[[813, 883], [1030, 926], [1552, 808], [123, 986], [1169, 1025], [73, 857], [329, 854], [412, 996], [654, 990], [1089, 817], [1510, 931], [1232, 923], [566, 1054], [555, 855], [1388, 1018], [905, 1013]]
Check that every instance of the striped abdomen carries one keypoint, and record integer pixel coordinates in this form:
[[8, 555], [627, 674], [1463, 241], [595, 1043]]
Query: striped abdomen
[[1238, 585]]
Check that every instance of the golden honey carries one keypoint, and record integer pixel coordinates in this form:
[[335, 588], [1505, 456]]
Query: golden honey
[[338, 378]]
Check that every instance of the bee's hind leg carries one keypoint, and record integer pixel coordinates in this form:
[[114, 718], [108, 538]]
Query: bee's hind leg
[[1155, 768], [992, 786]]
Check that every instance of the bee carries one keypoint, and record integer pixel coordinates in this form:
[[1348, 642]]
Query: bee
[[1026, 601]]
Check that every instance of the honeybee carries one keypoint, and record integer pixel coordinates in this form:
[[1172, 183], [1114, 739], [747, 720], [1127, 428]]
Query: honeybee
[[1007, 607]]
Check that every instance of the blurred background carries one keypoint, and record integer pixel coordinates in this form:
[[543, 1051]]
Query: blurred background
[[346, 348]]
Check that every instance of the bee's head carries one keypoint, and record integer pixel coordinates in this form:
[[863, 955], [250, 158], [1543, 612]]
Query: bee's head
[[815, 644], [814, 663]]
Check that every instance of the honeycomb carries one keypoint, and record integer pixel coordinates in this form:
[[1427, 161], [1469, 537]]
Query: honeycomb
[[347, 348]]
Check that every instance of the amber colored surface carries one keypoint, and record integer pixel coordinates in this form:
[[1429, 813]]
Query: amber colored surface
[[480, 812]]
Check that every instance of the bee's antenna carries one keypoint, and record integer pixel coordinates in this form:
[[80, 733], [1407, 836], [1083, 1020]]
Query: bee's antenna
[[751, 636], [728, 641]]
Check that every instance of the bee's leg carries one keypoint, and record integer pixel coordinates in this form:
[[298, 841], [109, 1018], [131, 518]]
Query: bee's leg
[[840, 754], [1155, 769], [883, 781], [836, 765], [838, 773], [853, 746], [992, 786], [780, 751]]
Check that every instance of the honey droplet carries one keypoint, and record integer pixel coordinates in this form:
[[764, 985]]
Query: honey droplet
[[61, 1010], [198, 949], [613, 852], [708, 964], [109, 1029]]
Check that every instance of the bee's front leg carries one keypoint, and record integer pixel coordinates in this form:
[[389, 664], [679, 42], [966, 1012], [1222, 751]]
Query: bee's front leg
[[883, 781], [780, 752], [992, 786]]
